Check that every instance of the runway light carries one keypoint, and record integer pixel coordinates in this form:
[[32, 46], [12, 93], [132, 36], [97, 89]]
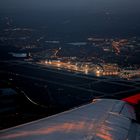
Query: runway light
[[86, 71], [76, 68], [46, 62], [97, 72], [50, 62], [58, 65]]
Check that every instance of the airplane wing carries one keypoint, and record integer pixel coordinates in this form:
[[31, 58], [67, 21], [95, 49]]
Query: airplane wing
[[103, 119]]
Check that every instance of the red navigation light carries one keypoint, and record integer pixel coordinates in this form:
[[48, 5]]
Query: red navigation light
[[133, 99]]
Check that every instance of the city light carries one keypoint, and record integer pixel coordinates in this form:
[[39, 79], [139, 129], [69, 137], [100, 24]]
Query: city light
[[97, 72], [86, 71], [46, 62], [102, 70], [58, 65]]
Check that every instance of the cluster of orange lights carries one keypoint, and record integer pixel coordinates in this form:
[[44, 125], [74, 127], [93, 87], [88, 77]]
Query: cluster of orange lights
[[110, 73], [85, 68], [68, 65]]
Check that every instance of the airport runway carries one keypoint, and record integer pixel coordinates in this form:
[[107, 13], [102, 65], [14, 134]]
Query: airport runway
[[63, 87]]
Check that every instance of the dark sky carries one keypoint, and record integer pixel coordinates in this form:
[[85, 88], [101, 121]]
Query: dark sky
[[77, 16], [89, 5]]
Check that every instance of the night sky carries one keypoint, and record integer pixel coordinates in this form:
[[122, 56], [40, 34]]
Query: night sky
[[120, 6], [86, 17]]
